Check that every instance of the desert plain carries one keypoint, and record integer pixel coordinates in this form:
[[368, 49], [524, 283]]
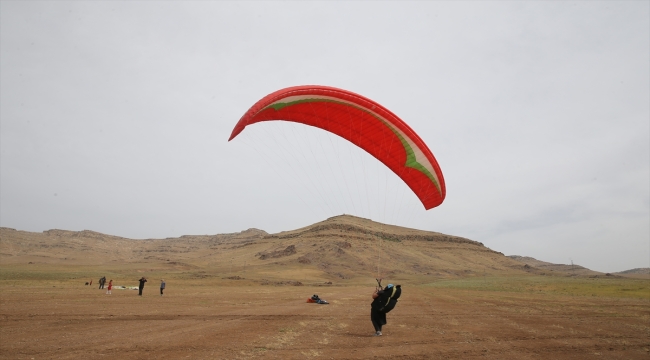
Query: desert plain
[[243, 296]]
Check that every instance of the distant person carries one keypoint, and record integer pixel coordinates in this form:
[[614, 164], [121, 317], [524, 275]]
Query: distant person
[[102, 281], [110, 287], [162, 286], [384, 301], [142, 281]]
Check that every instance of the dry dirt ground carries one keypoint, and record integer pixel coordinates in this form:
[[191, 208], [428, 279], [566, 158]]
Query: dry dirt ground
[[230, 296], [490, 318]]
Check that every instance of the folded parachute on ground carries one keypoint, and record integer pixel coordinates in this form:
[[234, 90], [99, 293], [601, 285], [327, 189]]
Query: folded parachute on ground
[[361, 121]]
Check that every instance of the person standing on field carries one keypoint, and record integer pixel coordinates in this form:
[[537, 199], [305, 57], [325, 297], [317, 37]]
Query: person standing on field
[[110, 287], [162, 286], [142, 281]]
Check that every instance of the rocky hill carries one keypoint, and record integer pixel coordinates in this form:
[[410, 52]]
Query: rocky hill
[[533, 264], [640, 271], [340, 248]]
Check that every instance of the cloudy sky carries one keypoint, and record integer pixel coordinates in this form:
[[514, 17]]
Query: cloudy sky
[[115, 116]]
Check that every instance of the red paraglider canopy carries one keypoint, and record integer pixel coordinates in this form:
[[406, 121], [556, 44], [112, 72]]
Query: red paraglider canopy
[[361, 121]]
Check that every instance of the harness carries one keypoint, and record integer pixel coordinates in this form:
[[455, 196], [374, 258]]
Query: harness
[[391, 296]]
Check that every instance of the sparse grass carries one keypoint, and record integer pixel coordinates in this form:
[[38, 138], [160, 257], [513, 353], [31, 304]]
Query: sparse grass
[[223, 301], [552, 285], [220, 318], [389, 238]]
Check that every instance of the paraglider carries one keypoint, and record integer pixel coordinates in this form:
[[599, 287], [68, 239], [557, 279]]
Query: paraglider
[[363, 122]]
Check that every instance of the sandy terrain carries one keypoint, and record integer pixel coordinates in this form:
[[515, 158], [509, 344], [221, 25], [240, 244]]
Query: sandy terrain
[[237, 320]]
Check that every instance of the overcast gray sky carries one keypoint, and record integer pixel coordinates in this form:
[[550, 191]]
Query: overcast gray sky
[[114, 117]]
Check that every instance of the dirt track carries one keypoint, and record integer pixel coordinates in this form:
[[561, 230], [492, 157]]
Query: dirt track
[[66, 321]]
